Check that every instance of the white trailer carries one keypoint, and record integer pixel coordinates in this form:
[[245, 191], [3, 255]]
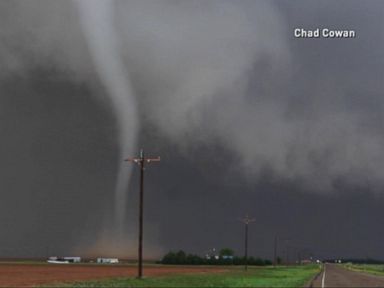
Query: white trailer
[[108, 260], [63, 260]]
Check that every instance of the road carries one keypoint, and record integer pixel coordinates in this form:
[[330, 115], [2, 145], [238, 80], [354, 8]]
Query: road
[[337, 276]]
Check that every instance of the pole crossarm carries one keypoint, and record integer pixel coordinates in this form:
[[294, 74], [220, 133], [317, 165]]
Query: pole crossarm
[[140, 160], [246, 220]]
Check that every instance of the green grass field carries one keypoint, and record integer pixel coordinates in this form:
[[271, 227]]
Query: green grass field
[[376, 269], [295, 276]]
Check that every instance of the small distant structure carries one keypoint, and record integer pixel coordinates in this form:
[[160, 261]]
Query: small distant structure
[[108, 260], [63, 260], [212, 254], [337, 261], [227, 257], [72, 259], [56, 260]]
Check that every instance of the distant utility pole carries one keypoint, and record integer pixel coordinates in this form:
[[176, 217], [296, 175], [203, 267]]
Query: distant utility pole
[[299, 256], [275, 252], [246, 220], [287, 255], [141, 160], [276, 249]]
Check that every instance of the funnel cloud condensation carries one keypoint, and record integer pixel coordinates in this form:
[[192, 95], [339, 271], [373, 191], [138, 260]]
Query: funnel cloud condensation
[[97, 18]]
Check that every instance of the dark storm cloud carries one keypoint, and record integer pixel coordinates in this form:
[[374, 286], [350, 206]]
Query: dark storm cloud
[[245, 117], [272, 100]]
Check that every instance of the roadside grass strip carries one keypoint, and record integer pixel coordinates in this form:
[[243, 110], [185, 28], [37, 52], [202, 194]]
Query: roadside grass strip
[[375, 269]]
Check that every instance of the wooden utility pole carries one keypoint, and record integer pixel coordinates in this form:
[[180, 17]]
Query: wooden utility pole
[[246, 220], [275, 252], [141, 160]]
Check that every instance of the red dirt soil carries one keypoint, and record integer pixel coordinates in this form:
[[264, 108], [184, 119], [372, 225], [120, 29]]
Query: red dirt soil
[[28, 275]]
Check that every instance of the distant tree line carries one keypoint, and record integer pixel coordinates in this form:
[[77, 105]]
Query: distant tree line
[[225, 257]]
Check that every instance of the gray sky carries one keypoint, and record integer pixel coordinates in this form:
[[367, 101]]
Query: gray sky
[[246, 118]]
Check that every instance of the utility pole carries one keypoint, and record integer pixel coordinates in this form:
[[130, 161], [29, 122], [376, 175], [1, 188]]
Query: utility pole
[[141, 160], [277, 242], [246, 220], [275, 252], [299, 256], [287, 255]]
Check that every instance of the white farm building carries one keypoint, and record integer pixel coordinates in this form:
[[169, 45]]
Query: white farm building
[[108, 260]]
